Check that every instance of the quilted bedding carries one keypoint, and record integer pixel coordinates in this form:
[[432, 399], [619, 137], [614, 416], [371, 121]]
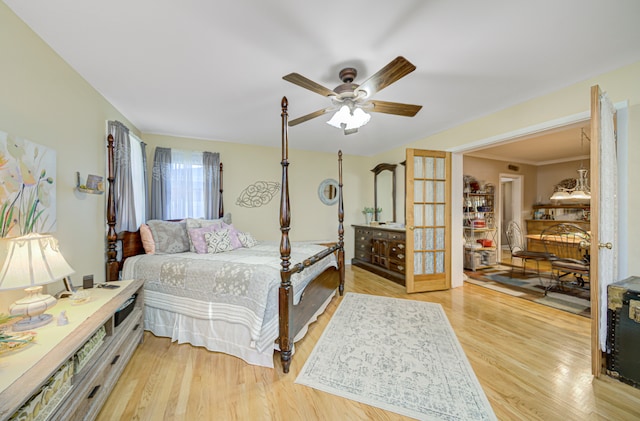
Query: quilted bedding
[[239, 286]]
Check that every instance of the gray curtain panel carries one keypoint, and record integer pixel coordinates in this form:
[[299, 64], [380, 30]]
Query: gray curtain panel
[[159, 184], [211, 166], [123, 187]]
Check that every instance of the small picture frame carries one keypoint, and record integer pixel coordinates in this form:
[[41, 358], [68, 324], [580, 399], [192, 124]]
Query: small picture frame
[[94, 182], [68, 285]]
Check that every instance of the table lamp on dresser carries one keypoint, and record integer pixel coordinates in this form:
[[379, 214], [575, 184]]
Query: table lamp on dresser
[[29, 262]]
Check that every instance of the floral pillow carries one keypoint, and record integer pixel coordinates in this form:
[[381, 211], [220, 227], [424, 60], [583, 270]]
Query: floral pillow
[[169, 237], [218, 241], [247, 239], [233, 234], [196, 235], [193, 223]]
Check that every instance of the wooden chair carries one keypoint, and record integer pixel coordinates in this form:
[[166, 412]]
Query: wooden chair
[[570, 246], [518, 249]]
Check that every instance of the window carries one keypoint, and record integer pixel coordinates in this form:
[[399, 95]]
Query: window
[[185, 184]]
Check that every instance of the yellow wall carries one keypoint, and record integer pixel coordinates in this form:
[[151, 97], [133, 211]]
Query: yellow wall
[[310, 219], [45, 101]]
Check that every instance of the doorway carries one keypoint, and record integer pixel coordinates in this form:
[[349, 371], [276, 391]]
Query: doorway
[[510, 199]]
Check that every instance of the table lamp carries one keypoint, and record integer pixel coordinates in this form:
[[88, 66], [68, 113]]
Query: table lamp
[[29, 262]]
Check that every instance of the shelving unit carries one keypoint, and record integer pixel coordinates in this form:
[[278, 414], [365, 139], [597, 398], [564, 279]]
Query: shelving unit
[[480, 250]]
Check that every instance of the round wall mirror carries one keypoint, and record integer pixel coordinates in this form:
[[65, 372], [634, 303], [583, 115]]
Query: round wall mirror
[[328, 192]]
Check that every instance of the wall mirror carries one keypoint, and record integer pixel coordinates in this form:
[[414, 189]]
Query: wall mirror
[[384, 192], [328, 191]]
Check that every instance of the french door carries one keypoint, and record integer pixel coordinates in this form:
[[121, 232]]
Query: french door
[[428, 220], [604, 213]]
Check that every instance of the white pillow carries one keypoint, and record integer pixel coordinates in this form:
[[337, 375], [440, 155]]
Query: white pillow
[[246, 239]]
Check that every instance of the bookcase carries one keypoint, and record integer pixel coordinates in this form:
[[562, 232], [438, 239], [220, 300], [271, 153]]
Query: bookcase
[[69, 370], [479, 230]]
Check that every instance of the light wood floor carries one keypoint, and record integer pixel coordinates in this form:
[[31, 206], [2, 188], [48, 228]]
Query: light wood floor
[[531, 360]]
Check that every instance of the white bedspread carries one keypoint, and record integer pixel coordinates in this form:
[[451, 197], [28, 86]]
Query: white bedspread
[[236, 291]]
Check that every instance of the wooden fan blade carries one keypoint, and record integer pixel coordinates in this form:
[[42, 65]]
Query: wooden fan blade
[[396, 108], [308, 117], [298, 79], [395, 70]]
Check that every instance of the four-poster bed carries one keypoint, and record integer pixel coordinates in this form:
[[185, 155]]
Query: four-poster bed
[[287, 286]]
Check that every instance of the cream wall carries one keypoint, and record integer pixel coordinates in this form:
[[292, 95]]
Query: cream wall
[[310, 219], [621, 85], [45, 101]]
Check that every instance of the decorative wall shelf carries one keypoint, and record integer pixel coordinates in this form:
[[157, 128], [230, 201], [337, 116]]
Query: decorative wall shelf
[[89, 191], [84, 189]]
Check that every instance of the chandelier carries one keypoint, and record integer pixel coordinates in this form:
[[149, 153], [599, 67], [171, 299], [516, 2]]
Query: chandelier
[[578, 192]]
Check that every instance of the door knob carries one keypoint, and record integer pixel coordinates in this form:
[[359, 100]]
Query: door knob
[[412, 228], [605, 246]]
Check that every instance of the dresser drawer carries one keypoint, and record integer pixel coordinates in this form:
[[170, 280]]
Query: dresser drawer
[[396, 236], [363, 255], [397, 252], [397, 267]]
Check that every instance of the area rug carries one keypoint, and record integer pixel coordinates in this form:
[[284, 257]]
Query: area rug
[[398, 355], [530, 286]]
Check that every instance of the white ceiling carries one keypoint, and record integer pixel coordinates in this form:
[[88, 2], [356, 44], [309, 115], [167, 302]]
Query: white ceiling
[[213, 70]]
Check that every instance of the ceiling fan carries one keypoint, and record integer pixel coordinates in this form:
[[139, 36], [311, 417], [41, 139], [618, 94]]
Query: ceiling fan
[[352, 100]]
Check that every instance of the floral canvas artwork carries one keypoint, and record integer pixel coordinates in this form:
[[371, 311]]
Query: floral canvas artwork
[[27, 187]]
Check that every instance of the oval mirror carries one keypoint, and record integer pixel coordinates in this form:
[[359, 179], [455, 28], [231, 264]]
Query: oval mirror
[[328, 192]]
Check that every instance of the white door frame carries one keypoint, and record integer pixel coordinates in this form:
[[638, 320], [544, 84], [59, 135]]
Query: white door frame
[[517, 200], [457, 246]]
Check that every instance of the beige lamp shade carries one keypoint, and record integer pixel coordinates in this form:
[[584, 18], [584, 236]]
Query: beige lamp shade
[[31, 260]]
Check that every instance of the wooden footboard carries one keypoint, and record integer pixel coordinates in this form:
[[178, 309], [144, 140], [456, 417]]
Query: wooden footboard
[[294, 317]]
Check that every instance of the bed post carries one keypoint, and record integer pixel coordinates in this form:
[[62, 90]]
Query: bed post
[[112, 264], [220, 202], [285, 301], [340, 226]]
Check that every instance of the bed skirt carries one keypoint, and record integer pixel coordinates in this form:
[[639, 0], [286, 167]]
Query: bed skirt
[[217, 335]]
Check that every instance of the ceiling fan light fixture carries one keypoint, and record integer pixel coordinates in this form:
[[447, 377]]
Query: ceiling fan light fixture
[[348, 120]]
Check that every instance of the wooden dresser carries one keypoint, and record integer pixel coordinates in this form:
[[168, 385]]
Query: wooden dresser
[[381, 250], [69, 371]]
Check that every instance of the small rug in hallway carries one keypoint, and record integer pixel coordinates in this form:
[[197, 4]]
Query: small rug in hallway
[[530, 287], [398, 355]]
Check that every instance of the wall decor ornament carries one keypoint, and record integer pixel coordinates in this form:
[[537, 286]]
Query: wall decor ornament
[[27, 187], [258, 194]]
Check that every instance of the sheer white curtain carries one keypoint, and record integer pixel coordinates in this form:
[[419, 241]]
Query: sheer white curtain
[[138, 178], [130, 174], [186, 182], [607, 260]]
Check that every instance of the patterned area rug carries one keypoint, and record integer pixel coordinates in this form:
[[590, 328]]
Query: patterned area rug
[[530, 286], [398, 355]]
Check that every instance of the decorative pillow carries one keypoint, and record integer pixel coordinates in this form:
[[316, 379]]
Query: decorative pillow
[[148, 243], [193, 223], [169, 237], [233, 234], [247, 239], [218, 241], [196, 235]]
